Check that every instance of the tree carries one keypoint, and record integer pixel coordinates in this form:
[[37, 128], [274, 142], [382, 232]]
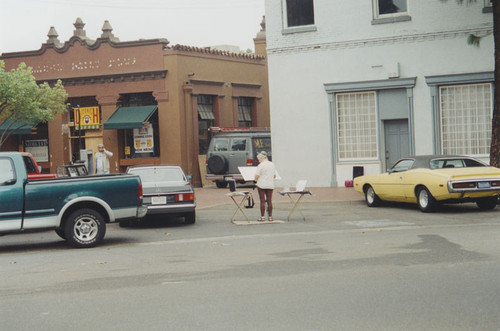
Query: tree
[[23, 101], [495, 121]]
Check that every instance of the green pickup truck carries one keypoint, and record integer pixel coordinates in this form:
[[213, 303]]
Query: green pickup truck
[[76, 208]]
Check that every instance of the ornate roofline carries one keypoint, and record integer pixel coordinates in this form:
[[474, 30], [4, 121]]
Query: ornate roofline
[[92, 45]]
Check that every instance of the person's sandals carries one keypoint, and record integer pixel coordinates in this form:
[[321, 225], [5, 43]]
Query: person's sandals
[[270, 219], [262, 219]]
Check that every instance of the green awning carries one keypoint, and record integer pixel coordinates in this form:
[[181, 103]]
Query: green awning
[[19, 128], [129, 117]]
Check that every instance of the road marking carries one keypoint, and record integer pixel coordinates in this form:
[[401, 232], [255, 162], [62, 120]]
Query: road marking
[[379, 223]]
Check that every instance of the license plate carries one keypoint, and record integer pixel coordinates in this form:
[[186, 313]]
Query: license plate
[[158, 200], [483, 185]]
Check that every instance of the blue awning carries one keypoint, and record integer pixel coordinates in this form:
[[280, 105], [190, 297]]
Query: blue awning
[[19, 128], [129, 117]]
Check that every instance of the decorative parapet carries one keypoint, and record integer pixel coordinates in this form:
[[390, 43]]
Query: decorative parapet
[[208, 50]]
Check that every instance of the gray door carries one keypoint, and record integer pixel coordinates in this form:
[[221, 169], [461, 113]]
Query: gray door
[[397, 143]]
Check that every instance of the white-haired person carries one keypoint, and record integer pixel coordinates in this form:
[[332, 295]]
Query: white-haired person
[[102, 160], [264, 176]]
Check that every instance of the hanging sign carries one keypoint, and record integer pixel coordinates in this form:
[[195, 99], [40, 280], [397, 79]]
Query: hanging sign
[[88, 117]]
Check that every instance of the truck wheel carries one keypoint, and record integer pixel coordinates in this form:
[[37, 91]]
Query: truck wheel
[[84, 228], [190, 218], [60, 233], [217, 164], [221, 184]]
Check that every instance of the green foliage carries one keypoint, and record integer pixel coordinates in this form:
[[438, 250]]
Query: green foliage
[[22, 100]]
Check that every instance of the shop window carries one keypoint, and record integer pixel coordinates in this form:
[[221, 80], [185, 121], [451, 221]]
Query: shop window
[[245, 112], [140, 142], [466, 112], [206, 119], [357, 126]]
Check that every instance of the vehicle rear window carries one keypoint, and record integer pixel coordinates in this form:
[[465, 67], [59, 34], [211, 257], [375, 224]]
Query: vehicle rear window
[[221, 145], [455, 163], [30, 166], [238, 144], [159, 175], [6, 171]]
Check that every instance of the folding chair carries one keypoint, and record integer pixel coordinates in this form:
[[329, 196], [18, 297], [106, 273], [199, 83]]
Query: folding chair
[[235, 195]]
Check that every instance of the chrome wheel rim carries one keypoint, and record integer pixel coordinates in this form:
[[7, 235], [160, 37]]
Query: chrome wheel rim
[[370, 195], [86, 229], [423, 198]]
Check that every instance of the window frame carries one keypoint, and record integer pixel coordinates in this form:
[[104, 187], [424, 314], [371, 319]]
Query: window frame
[[353, 126], [442, 118], [287, 29], [391, 17]]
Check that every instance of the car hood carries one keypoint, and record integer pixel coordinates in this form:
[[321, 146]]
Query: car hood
[[166, 187]]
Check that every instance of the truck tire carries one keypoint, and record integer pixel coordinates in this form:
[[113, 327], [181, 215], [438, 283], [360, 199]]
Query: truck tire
[[60, 233], [217, 164], [84, 228], [190, 218], [221, 184]]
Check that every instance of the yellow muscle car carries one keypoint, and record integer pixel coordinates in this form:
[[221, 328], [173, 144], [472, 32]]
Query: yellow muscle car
[[430, 180]]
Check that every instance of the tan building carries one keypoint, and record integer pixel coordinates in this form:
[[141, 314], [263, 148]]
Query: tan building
[[146, 101]]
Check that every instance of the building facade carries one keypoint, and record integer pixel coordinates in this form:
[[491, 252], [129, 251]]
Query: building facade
[[148, 102], [359, 84]]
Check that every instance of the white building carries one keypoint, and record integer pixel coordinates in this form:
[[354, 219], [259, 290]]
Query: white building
[[365, 82]]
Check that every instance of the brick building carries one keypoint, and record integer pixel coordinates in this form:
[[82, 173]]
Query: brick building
[[147, 101]]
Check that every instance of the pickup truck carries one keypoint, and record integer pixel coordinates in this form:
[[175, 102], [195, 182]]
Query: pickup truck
[[77, 208]]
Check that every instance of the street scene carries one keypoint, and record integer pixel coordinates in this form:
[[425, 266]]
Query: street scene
[[250, 165], [347, 266]]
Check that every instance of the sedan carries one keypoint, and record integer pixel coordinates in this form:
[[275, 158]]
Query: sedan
[[166, 190], [432, 180]]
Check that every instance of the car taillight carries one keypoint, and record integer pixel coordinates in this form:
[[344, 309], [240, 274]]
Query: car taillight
[[184, 197], [495, 184], [464, 185], [139, 191], [249, 162]]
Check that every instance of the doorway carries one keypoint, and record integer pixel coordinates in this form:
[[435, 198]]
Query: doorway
[[397, 143]]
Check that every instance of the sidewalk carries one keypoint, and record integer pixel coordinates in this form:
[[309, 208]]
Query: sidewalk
[[212, 196]]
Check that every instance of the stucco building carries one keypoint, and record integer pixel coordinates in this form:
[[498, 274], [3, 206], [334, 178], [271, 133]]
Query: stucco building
[[363, 83], [147, 101]]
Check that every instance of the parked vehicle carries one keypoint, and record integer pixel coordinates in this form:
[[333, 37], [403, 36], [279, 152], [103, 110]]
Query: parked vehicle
[[167, 190], [33, 169], [231, 148], [76, 208], [431, 180]]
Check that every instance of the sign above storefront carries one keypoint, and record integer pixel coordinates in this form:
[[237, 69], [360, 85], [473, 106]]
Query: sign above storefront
[[88, 117]]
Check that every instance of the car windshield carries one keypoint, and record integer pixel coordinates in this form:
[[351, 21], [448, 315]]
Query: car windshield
[[455, 163], [159, 174]]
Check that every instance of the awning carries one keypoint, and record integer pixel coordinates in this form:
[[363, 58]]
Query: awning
[[19, 128], [129, 117]]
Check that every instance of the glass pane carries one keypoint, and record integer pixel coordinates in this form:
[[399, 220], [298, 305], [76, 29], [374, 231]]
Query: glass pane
[[391, 6]]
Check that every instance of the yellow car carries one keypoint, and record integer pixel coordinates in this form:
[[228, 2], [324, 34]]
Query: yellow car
[[430, 180]]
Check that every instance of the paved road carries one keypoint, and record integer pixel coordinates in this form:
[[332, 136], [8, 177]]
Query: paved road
[[348, 267]]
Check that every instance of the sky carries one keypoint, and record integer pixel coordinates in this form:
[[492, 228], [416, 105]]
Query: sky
[[25, 23]]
